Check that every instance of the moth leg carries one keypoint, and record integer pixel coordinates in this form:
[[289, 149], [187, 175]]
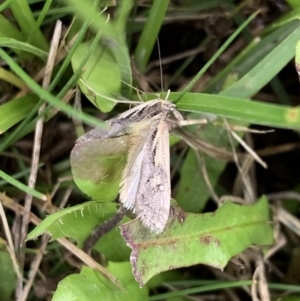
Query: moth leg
[[102, 229]]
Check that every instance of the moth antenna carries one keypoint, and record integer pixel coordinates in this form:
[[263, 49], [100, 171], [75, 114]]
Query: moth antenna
[[139, 95], [109, 98], [160, 66], [134, 88]]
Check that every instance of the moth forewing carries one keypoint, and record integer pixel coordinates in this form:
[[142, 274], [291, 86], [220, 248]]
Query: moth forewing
[[139, 133], [154, 192]]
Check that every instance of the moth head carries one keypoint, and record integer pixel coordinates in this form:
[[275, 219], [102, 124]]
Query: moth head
[[170, 108]]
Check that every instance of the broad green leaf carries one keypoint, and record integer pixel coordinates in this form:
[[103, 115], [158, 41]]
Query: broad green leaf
[[191, 185], [78, 222], [113, 37], [15, 110], [92, 286], [192, 191], [101, 76], [189, 239], [46, 95], [9, 282], [97, 166]]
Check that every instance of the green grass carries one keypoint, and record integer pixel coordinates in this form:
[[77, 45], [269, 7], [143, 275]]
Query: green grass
[[105, 54]]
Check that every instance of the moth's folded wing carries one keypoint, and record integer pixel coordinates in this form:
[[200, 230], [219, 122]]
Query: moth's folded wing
[[144, 111], [132, 172], [154, 192], [96, 133]]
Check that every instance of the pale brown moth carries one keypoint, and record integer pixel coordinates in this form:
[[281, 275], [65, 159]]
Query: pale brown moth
[[146, 185]]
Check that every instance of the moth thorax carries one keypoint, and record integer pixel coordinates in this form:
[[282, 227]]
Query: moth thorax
[[168, 106]]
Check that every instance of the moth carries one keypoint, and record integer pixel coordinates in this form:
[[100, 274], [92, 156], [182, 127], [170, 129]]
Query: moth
[[146, 185]]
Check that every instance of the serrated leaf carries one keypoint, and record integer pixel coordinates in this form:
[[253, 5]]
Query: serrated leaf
[[78, 222], [101, 76], [75, 222], [97, 166], [90, 285], [189, 239], [191, 185]]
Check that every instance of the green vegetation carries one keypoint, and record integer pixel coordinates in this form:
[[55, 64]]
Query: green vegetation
[[67, 66]]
